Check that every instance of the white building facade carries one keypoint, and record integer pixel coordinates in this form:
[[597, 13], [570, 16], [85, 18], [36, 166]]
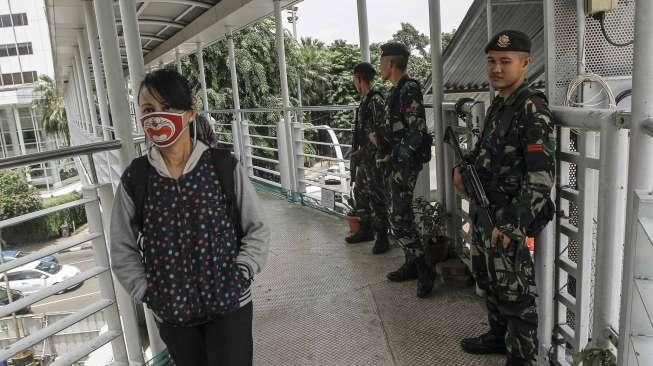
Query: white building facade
[[25, 55]]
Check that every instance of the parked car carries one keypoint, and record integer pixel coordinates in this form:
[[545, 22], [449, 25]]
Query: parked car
[[8, 255], [37, 275], [332, 176], [15, 295]]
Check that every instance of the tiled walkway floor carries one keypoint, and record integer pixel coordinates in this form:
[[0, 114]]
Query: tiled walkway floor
[[321, 301]]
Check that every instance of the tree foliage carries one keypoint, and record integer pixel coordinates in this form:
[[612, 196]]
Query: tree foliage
[[17, 197], [50, 106]]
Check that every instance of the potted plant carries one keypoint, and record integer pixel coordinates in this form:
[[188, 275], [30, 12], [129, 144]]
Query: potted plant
[[432, 223], [591, 356], [353, 216]]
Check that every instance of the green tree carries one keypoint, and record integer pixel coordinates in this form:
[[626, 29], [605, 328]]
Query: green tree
[[412, 38], [447, 37], [50, 106], [17, 197]]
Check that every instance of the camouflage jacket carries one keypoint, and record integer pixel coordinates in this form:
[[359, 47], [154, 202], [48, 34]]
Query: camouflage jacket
[[405, 120], [370, 117], [516, 163]]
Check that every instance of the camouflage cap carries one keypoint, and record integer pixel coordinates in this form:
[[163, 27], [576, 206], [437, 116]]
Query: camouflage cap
[[509, 40], [394, 49]]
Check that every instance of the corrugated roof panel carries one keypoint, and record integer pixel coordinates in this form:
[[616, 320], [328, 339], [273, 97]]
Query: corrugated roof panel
[[464, 58]]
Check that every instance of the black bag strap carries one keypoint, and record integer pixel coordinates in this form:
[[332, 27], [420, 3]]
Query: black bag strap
[[225, 166], [135, 183]]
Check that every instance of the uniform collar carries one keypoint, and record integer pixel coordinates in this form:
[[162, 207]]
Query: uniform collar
[[512, 97]]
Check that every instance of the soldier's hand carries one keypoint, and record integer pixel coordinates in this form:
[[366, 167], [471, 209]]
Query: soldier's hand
[[380, 162], [372, 137], [458, 180], [498, 237]]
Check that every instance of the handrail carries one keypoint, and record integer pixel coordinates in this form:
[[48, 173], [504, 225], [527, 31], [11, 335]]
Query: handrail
[[23, 160], [329, 108]]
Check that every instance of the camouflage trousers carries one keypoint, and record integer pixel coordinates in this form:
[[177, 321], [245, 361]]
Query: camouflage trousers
[[401, 185], [369, 192], [509, 281]]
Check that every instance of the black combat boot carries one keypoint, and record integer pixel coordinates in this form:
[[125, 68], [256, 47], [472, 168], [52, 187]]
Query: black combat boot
[[381, 245], [425, 278], [363, 234], [407, 272], [489, 342]]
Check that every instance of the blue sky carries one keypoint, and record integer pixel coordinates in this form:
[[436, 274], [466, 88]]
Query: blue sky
[[329, 20]]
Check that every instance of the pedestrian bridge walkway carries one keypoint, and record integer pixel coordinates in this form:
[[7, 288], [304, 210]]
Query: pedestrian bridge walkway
[[320, 301]]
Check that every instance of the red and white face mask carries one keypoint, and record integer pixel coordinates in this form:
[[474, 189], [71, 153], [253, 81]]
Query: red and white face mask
[[163, 128]]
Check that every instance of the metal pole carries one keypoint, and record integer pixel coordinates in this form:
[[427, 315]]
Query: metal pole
[[78, 94], [132, 40], [488, 19], [640, 174], [113, 68], [236, 123], [125, 303], [545, 249], [611, 230], [295, 18], [363, 33], [82, 90], [105, 280], [436, 92], [283, 74], [83, 57], [202, 76], [98, 75], [586, 180], [178, 60], [136, 74]]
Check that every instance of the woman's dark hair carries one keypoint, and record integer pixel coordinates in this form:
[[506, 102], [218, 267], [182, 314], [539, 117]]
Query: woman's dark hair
[[365, 71], [170, 87]]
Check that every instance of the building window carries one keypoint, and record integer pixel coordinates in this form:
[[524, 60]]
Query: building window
[[25, 48], [15, 79], [13, 49], [7, 20]]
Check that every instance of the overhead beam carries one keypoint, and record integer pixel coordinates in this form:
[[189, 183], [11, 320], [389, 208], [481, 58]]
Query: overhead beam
[[162, 22], [198, 4], [153, 37]]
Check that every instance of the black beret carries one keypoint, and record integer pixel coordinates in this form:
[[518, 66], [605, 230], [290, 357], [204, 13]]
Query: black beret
[[509, 40], [394, 49]]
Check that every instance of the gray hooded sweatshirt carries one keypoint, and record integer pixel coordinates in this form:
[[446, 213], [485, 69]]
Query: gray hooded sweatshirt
[[124, 250]]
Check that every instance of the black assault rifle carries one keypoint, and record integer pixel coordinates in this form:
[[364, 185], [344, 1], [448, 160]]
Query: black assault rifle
[[473, 186]]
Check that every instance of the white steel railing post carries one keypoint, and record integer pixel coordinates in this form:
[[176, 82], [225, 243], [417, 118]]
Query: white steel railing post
[[105, 280], [640, 174], [125, 303], [285, 98], [236, 122], [613, 180]]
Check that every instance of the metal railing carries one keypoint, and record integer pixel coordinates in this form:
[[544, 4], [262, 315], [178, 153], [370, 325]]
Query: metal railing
[[96, 200], [318, 165]]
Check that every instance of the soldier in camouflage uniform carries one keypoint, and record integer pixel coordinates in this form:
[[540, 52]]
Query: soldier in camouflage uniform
[[369, 190], [404, 131], [514, 158]]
